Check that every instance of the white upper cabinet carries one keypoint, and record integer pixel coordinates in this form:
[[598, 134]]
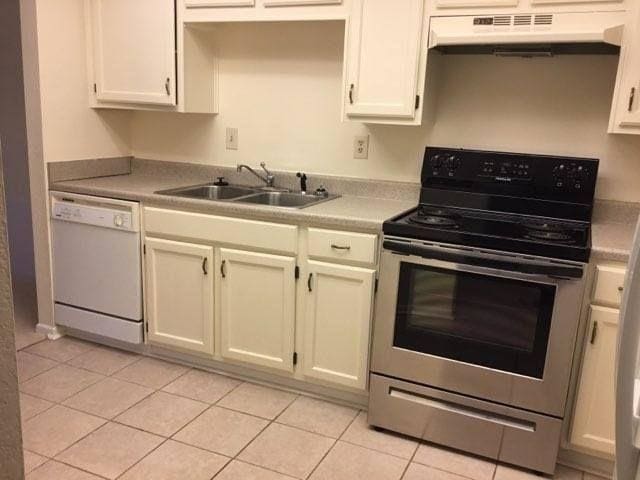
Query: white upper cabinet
[[625, 113], [134, 51], [337, 323], [179, 295], [257, 308], [384, 46]]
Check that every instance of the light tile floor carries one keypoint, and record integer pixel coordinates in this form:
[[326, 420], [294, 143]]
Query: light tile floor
[[91, 412]]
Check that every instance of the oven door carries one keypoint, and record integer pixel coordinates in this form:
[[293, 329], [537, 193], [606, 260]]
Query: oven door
[[487, 325]]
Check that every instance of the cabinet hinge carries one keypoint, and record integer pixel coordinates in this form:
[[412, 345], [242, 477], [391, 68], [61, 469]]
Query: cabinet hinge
[[295, 358], [417, 101], [297, 272], [95, 88], [375, 286]]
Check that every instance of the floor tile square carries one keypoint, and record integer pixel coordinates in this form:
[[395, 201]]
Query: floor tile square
[[32, 406], [108, 398], [360, 433], [162, 413], [53, 470], [505, 472], [590, 476], [455, 462], [32, 460], [151, 372], [203, 386], [110, 450], [243, 471], [287, 450], [566, 473], [59, 383], [351, 462], [104, 360], [318, 416], [417, 471], [176, 461], [61, 350], [257, 400], [31, 365], [56, 429], [222, 431]]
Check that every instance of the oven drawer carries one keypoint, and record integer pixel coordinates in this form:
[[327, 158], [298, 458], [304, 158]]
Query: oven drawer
[[342, 246], [607, 289], [483, 428]]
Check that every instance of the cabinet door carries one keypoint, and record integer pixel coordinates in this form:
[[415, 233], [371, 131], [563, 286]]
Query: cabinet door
[[299, 3], [594, 416], [218, 3], [134, 51], [179, 293], [337, 323], [257, 308], [626, 110], [383, 51]]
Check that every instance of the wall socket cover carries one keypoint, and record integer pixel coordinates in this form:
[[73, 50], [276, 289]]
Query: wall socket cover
[[232, 138], [361, 146]]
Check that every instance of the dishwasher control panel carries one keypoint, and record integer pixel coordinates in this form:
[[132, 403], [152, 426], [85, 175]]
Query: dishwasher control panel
[[100, 216]]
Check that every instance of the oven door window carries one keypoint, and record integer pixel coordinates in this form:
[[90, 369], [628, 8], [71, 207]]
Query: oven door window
[[484, 320]]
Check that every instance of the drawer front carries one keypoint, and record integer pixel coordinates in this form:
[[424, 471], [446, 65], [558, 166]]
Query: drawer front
[[211, 228], [609, 283], [342, 246], [483, 428]]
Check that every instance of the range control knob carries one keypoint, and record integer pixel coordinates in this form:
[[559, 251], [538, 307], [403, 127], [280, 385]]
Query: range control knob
[[118, 221], [436, 161], [452, 162]]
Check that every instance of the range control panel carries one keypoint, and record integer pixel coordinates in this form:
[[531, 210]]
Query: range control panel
[[562, 176]]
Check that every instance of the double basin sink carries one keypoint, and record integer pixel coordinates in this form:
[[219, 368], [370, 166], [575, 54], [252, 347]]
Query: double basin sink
[[256, 196]]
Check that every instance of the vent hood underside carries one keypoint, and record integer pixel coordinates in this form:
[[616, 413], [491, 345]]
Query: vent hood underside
[[529, 35]]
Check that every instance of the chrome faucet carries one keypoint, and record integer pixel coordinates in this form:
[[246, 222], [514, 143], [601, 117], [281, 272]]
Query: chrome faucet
[[269, 179]]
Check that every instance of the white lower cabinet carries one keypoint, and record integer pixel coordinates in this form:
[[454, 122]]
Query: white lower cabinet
[[594, 416], [257, 308], [179, 294], [337, 323]]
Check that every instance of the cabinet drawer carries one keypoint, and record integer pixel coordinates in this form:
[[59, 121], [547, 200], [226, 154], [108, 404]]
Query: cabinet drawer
[[211, 228], [346, 246], [607, 289]]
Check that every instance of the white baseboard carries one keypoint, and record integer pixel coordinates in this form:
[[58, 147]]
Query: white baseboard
[[51, 331]]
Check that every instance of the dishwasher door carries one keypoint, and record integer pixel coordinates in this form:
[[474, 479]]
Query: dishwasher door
[[96, 255]]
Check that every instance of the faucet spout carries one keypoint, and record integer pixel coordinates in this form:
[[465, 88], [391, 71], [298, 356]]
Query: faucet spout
[[269, 179]]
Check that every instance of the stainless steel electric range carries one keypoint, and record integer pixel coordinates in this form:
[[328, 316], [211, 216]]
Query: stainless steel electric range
[[479, 301]]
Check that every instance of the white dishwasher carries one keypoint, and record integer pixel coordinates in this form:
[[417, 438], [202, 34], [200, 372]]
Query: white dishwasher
[[97, 268]]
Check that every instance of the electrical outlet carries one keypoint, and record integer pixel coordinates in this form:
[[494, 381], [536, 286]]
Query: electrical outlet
[[232, 138], [361, 146]]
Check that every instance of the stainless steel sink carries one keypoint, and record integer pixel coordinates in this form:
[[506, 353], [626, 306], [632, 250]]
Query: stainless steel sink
[[210, 192], [283, 199], [255, 196]]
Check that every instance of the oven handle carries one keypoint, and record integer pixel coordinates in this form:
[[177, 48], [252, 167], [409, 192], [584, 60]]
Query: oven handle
[[557, 271]]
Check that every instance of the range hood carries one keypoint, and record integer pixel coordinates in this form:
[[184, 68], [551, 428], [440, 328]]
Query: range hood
[[536, 34]]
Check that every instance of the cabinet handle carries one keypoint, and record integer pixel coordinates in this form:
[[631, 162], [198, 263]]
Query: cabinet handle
[[309, 282], [223, 270], [205, 268], [167, 85], [621, 289], [340, 247], [351, 94], [632, 96], [594, 333]]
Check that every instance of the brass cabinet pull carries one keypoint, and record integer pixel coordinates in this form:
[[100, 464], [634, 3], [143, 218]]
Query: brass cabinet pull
[[205, 268], [309, 282], [621, 289], [167, 85], [340, 247], [632, 96], [351, 93], [223, 270], [594, 333]]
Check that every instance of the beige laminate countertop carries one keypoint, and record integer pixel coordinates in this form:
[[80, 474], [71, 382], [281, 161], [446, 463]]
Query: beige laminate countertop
[[612, 229], [348, 212]]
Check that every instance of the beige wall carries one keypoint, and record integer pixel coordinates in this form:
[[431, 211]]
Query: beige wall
[[70, 129], [281, 84]]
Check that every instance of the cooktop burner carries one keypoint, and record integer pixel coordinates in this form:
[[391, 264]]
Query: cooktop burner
[[549, 232], [436, 217]]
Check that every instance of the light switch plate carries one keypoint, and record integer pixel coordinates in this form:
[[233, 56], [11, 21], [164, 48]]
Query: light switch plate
[[232, 138], [361, 146]]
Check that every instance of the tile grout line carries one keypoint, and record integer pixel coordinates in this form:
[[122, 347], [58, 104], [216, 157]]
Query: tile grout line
[[413, 455]]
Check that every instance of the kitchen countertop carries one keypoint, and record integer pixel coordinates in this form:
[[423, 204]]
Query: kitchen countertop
[[349, 211], [612, 229]]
